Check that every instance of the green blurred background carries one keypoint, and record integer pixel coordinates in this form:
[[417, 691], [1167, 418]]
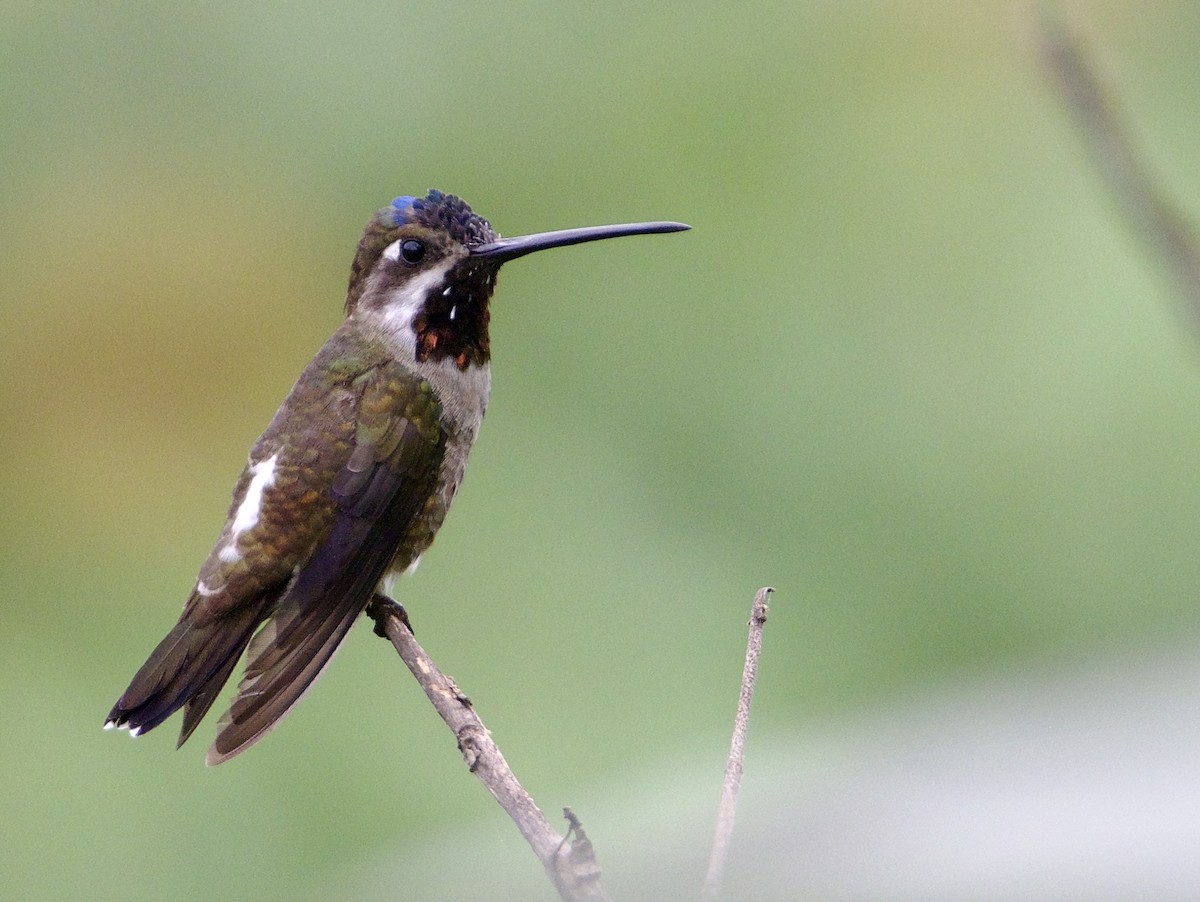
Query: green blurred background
[[910, 367]]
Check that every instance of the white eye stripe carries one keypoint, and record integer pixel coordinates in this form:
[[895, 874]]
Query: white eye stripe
[[404, 302], [392, 251]]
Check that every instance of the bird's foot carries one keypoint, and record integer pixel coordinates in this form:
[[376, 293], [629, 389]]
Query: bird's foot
[[380, 608]]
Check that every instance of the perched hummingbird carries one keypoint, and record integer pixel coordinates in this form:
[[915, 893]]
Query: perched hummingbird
[[352, 478]]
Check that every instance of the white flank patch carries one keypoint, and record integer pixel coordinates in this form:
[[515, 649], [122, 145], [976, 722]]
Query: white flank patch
[[246, 516], [412, 568], [204, 591], [251, 507]]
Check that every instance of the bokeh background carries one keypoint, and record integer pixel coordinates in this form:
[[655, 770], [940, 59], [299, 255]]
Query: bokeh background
[[911, 367]]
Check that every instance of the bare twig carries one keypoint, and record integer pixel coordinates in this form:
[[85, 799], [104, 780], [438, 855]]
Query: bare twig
[[571, 866], [733, 766], [1155, 217]]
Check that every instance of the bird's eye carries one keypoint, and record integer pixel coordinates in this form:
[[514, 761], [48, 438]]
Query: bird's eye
[[412, 251]]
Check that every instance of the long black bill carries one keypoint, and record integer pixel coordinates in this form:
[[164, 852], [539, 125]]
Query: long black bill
[[504, 249]]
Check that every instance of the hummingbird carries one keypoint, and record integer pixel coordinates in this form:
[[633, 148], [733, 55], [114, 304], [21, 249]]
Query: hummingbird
[[353, 476]]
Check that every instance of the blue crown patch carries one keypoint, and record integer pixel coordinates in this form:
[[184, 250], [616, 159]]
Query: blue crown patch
[[402, 209], [439, 211]]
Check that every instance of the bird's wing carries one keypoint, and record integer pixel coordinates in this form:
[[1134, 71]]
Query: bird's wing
[[281, 510], [284, 507], [392, 468]]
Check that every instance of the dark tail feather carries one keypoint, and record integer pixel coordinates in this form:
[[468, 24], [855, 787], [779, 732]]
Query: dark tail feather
[[285, 658], [187, 670], [195, 709]]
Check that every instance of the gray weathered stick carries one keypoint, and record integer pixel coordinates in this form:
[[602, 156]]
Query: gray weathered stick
[[733, 766], [571, 867]]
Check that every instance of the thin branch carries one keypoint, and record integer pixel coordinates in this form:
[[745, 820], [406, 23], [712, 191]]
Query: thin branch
[[571, 866], [1152, 212], [737, 747]]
